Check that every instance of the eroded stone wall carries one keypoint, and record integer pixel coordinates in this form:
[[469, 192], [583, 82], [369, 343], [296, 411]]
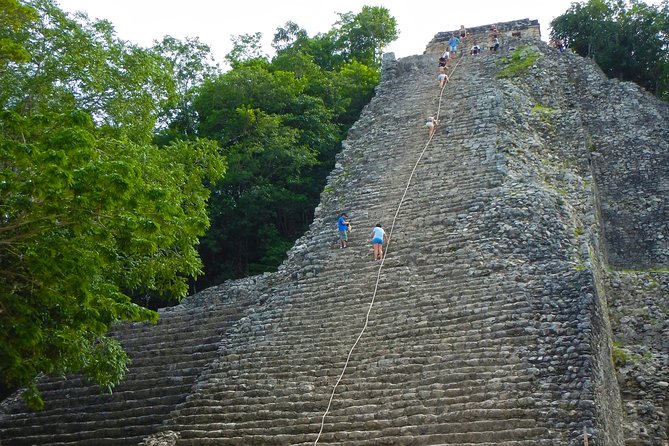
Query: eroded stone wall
[[610, 138]]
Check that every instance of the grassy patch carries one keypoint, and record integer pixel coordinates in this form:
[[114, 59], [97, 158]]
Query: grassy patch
[[519, 62], [561, 192], [651, 285], [590, 145], [620, 357], [545, 113], [538, 108]]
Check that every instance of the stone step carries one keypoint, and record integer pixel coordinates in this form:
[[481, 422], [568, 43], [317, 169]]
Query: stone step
[[173, 340], [431, 400], [97, 422], [128, 434], [151, 375], [109, 410], [452, 406], [410, 435], [112, 440], [161, 393]]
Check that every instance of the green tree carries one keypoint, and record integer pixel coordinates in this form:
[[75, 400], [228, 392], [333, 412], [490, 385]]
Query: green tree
[[357, 37], [13, 17], [363, 36], [628, 40], [122, 86], [245, 47], [91, 213], [191, 63], [356, 85], [288, 36], [280, 123], [260, 117]]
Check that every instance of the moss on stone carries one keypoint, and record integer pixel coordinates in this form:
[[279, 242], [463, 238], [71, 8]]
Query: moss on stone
[[520, 61], [619, 356]]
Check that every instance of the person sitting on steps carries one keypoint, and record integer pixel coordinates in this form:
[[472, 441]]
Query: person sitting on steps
[[443, 60]]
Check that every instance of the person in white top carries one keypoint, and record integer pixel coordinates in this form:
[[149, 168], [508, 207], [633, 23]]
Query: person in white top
[[378, 237], [431, 124]]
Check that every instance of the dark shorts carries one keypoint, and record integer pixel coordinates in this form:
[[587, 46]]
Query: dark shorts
[[343, 235]]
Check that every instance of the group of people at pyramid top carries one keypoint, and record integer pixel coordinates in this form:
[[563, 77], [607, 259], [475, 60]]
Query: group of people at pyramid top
[[445, 59], [454, 41]]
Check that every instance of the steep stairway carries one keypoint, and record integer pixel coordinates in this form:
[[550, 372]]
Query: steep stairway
[[472, 338], [440, 362]]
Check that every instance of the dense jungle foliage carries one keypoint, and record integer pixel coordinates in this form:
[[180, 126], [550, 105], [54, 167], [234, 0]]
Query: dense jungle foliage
[[279, 123], [629, 40], [122, 167]]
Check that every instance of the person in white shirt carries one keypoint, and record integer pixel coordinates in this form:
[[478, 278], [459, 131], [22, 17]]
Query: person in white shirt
[[431, 124], [378, 238]]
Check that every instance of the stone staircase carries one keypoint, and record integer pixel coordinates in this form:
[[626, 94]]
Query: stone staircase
[[166, 360], [482, 331]]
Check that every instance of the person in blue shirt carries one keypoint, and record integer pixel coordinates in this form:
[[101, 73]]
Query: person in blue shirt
[[454, 43], [342, 226], [378, 237]]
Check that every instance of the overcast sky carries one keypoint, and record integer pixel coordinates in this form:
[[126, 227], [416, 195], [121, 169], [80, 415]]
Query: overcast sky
[[214, 21]]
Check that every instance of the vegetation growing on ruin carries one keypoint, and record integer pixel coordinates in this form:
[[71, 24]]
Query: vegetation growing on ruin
[[518, 63], [628, 40], [619, 355]]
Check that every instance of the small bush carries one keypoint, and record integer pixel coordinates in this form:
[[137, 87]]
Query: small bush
[[619, 356]]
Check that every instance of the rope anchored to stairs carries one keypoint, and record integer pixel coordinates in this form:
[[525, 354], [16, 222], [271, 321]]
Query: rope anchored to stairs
[[378, 276]]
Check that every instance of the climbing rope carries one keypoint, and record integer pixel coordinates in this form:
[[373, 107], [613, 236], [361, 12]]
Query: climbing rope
[[383, 259]]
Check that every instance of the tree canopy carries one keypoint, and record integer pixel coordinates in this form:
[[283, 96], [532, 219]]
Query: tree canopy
[[112, 163], [279, 123], [13, 17], [91, 212], [191, 63], [628, 40]]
